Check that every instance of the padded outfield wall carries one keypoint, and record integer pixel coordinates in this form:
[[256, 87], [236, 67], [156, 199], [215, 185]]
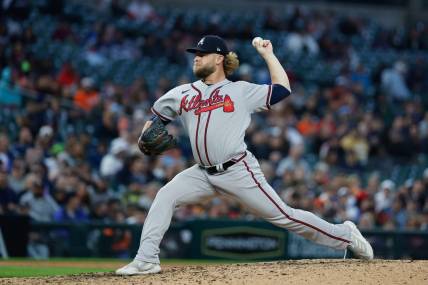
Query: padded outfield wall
[[197, 239]]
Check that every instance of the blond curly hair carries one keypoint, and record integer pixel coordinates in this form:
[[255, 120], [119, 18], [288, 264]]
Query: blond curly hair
[[230, 63]]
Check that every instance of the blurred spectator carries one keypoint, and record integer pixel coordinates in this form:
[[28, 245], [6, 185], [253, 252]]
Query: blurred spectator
[[149, 194], [307, 126], [10, 94], [86, 97], [8, 198], [39, 205], [5, 153], [113, 162], [25, 141], [136, 215], [63, 32], [16, 178], [399, 215], [293, 161], [45, 139], [331, 152], [72, 211], [140, 10], [400, 143], [356, 142], [367, 221], [394, 82], [302, 42], [423, 133], [99, 194], [384, 197], [67, 76]]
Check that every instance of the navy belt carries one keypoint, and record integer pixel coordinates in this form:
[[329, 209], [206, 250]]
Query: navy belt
[[222, 167]]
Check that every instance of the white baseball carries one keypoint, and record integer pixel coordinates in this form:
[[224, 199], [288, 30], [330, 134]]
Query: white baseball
[[256, 40]]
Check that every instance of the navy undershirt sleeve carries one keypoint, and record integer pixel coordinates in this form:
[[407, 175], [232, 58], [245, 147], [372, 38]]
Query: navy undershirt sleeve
[[155, 117], [279, 93]]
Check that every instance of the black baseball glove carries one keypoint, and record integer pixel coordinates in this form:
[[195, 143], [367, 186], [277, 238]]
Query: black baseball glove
[[156, 139]]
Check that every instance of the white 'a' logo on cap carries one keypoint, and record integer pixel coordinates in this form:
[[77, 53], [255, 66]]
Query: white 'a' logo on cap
[[218, 49], [201, 42]]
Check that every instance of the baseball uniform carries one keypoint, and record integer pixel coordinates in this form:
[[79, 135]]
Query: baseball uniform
[[215, 118]]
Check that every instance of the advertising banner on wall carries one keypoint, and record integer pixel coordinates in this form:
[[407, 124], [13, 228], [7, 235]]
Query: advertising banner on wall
[[225, 239]]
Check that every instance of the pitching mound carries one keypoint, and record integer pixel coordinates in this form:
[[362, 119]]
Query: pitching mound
[[290, 272]]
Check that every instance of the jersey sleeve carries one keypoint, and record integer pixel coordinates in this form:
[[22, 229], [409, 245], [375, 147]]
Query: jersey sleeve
[[257, 96], [166, 106]]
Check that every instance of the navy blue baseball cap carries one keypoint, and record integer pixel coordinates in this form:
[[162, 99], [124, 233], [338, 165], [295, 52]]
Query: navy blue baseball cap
[[210, 44]]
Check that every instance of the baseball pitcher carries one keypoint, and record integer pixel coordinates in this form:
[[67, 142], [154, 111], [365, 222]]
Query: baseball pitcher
[[215, 113]]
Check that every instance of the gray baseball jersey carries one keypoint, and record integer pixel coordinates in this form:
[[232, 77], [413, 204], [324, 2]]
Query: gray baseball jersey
[[216, 117]]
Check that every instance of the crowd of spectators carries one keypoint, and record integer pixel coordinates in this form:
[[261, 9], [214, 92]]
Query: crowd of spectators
[[68, 143]]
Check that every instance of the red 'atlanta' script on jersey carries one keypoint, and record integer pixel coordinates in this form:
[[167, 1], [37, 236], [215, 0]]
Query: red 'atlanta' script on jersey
[[215, 101]]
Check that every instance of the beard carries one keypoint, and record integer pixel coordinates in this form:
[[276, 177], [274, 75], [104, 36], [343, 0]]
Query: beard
[[204, 72]]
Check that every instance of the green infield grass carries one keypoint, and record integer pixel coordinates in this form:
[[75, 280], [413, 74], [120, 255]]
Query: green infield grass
[[24, 271], [24, 267]]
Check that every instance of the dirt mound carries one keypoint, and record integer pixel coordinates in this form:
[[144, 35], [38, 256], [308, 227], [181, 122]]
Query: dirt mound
[[288, 272]]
